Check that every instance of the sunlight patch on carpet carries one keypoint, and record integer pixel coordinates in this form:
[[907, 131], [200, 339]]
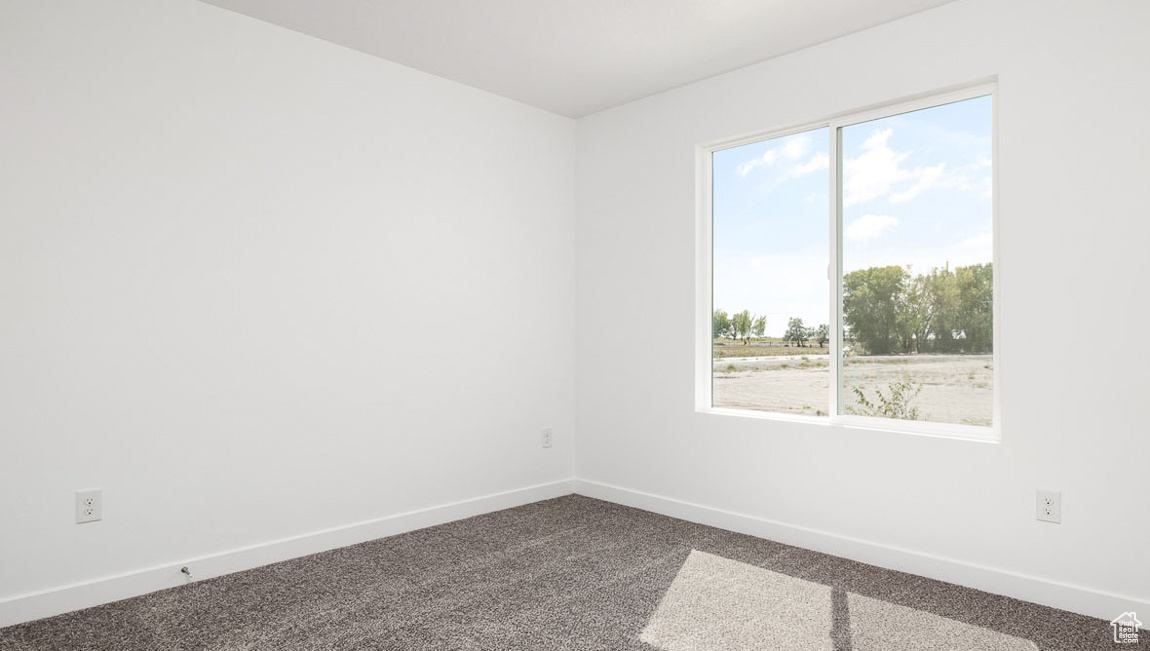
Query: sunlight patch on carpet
[[878, 625], [717, 604]]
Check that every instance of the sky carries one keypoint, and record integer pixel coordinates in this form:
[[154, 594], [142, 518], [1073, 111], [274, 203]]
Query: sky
[[916, 191]]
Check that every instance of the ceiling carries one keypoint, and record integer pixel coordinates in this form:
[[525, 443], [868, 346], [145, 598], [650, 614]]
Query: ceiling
[[576, 57]]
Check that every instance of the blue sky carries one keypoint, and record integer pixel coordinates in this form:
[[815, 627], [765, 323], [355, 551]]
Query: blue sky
[[916, 190]]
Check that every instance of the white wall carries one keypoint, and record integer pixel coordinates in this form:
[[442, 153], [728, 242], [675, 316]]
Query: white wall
[[255, 285], [1073, 230]]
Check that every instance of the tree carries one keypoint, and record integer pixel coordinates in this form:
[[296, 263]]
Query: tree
[[975, 307], [872, 301], [916, 313], [941, 298], [797, 332], [822, 335], [887, 310], [759, 327], [720, 324], [741, 325]]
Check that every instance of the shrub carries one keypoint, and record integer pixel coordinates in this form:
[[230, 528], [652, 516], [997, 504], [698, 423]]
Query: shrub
[[895, 405]]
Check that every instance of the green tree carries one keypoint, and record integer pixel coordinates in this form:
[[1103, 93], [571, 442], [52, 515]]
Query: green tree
[[942, 304], [759, 326], [822, 335], [720, 324], [918, 311], [797, 333], [741, 325], [887, 310], [872, 301], [975, 307]]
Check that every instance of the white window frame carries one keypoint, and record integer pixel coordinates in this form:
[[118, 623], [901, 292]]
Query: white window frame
[[704, 270]]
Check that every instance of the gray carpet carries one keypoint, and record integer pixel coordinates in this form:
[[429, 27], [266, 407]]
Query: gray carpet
[[568, 573]]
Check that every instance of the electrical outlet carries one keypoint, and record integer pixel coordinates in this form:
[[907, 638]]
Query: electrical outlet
[[546, 437], [1049, 506], [89, 505]]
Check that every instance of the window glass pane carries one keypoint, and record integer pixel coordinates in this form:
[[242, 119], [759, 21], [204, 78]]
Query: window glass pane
[[770, 290], [917, 228]]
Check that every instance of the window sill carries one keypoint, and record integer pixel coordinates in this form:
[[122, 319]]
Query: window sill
[[863, 423]]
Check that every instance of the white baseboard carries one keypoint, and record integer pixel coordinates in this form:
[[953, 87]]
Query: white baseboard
[[27, 607], [1079, 599], [1074, 598]]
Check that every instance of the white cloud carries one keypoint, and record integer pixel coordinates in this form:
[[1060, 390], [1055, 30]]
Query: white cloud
[[794, 149], [872, 174], [819, 161], [878, 172], [868, 227], [926, 178], [767, 159], [797, 147]]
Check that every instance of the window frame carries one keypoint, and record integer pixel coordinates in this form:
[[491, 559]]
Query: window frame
[[704, 270]]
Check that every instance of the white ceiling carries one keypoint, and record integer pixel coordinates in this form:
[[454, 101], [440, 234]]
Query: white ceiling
[[576, 57]]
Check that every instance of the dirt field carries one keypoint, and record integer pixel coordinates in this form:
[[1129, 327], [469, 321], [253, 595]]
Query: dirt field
[[763, 348], [955, 388]]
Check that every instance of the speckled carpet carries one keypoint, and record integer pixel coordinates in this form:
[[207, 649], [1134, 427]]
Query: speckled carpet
[[568, 573]]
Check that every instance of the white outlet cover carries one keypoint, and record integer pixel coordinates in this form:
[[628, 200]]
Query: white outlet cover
[[1048, 506], [547, 434], [89, 505]]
